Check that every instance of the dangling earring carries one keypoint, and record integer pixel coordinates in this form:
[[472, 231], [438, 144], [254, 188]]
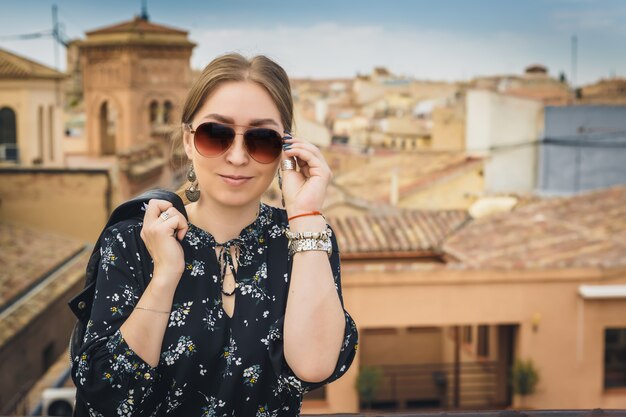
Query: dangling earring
[[280, 185], [192, 193]]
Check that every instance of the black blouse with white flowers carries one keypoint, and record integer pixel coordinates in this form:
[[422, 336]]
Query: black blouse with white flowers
[[210, 364]]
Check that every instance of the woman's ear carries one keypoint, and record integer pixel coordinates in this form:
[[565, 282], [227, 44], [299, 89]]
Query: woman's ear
[[187, 140]]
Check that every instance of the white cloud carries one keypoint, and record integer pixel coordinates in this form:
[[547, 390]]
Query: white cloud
[[331, 49], [336, 50]]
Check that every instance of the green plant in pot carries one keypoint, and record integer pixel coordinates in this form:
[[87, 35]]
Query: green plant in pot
[[367, 382], [524, 378]]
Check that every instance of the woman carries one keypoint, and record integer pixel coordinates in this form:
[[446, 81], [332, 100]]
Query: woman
[[237, 311]]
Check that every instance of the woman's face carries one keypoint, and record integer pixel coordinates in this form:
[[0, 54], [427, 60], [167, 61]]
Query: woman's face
[[239, 103]]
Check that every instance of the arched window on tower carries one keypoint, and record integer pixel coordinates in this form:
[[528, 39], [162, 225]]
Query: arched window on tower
[[154, 112], [167, 112], [8, 135]]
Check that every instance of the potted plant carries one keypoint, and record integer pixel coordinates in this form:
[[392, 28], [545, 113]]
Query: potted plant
[[524, 379], [367, 382]]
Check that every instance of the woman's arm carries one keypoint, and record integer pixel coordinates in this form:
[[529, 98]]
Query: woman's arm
[[144, 330], [117, 364], [314, 318], [111, 376]]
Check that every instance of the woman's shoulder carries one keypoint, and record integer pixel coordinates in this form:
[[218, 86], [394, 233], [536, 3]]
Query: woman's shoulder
[[126, 232]]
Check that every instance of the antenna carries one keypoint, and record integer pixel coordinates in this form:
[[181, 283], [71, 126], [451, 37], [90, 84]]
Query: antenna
[[144, 9], [58, 36], [55, 36], [574, 60]]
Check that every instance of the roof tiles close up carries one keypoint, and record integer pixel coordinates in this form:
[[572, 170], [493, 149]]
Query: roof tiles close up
[[27, 255], [587, 230], [405, 233], [13, 66]]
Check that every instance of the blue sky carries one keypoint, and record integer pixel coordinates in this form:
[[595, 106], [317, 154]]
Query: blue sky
[[438, 40]]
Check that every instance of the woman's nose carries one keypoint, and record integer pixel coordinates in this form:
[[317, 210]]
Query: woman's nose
[[237, 154]]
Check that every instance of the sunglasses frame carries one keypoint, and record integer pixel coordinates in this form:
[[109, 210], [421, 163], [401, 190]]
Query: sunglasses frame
[[193, 132]]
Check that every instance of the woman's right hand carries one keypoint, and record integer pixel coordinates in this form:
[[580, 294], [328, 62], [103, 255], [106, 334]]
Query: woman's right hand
[[162, 239]]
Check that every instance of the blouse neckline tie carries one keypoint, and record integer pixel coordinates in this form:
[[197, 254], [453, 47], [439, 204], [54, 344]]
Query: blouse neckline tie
[[226, 261]]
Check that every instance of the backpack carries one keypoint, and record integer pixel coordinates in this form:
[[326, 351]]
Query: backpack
[[81, 303]]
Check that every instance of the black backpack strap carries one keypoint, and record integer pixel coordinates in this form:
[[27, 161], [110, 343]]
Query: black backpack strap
[[133, 208]]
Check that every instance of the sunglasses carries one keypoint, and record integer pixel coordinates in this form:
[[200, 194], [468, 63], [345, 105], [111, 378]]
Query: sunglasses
[[212, 139]]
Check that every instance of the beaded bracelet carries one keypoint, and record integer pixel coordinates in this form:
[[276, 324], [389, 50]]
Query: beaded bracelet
[[302, 245], [305, 241], [322, 234]]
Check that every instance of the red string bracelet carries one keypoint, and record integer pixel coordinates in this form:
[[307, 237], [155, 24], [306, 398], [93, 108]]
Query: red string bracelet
[[313, 213]]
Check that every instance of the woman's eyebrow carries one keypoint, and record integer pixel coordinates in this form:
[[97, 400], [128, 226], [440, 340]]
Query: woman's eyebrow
[[226, 119]]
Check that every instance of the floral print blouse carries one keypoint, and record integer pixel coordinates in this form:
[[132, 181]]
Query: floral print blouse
[[211, 364]]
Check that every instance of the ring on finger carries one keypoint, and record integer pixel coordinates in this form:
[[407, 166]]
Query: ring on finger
[[165, 215], [288, 164]]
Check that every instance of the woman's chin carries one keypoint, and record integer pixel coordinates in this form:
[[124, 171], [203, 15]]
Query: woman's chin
[[236, 198]]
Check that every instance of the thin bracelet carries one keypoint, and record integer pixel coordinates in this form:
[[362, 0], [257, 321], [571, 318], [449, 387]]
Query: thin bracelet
[[156, 311], [313, 213]]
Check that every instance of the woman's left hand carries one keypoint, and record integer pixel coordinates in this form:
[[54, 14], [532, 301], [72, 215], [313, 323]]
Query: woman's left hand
[[304, 190]]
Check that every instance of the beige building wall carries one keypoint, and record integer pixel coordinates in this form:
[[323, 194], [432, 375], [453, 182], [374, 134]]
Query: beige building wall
[[379, 346], [506, 129], [46, 324], [424, 90], [37, 104], [74, 203], [344, 159], [350, 125], [366, 91], [405, 125], [457, 191], [316, 133], [567, 346], [448, 131]]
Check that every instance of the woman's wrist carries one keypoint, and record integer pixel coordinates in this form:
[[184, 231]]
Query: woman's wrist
[[163, 284], [314, 223]]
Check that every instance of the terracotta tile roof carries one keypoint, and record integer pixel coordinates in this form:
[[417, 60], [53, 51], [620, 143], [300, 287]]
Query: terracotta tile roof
[[415, 171], [587, 230], [136, 25], [27, 255], [406, 233], [15, 66], [12, 321]]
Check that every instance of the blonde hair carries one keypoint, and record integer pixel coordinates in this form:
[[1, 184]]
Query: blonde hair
[[235, 67]]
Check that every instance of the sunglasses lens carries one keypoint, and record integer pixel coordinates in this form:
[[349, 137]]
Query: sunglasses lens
[[264, 145], [212, 139]]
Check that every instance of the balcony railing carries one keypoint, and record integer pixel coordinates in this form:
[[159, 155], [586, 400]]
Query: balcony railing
[[434, 385]]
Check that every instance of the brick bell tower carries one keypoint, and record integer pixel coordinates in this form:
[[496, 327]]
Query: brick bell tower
[[135, 77]]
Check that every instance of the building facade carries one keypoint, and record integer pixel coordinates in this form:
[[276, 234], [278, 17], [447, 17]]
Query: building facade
[[135, 76], [584, 148], [31, 112]]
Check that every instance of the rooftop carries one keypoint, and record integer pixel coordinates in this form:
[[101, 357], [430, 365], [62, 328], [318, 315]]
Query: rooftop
[[28, 255], [586, 230], [138, 24], [414, 172], [137, 31], [15, 66], [408, 233], [16, 318]]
